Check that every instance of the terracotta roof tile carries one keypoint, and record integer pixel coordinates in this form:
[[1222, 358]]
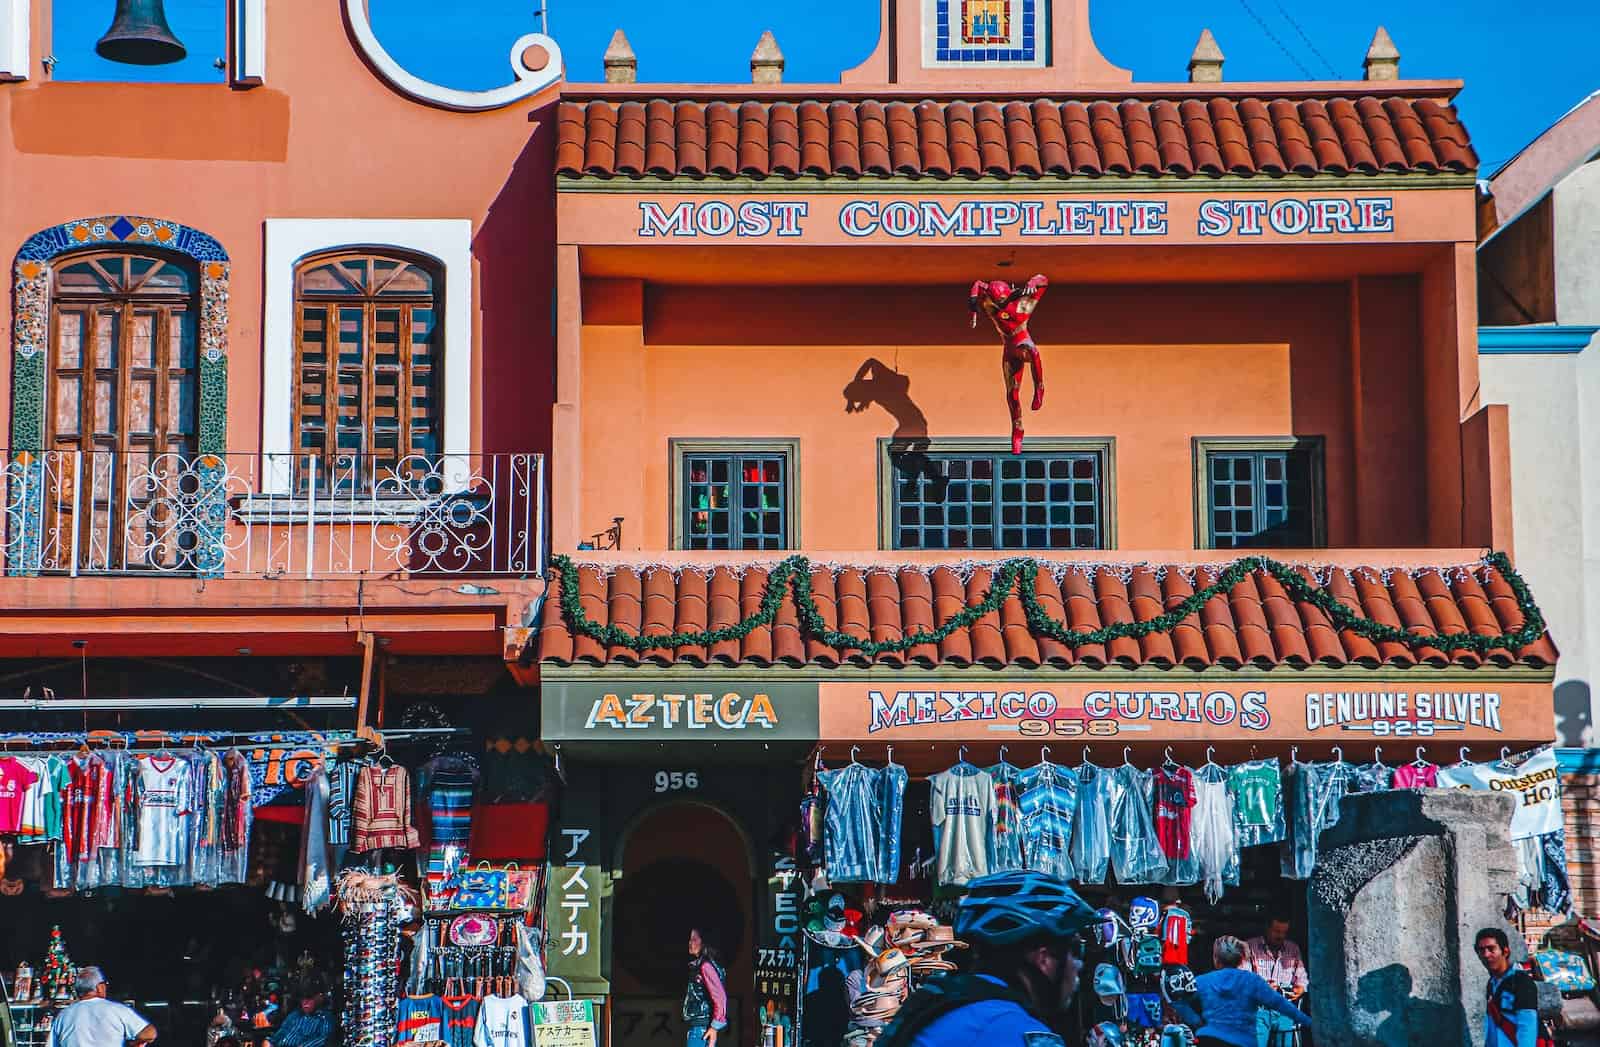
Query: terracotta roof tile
[[1256, 624], [1014, 139]]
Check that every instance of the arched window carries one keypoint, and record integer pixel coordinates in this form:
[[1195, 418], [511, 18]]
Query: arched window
[[123, 356], [366, 397], [121, 389]]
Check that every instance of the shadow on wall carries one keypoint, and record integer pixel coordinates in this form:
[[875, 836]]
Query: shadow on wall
[[875, 382], [1409, 1020], [1574, 720]]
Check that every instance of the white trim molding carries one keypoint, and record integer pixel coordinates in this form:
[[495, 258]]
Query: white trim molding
[[15, 60], [247, 56], [527, 81], [446, 240]]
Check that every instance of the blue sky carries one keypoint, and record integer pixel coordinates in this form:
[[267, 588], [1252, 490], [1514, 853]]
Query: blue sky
[[1524, 65]]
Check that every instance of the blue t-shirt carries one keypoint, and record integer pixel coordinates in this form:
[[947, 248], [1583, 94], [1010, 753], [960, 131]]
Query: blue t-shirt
[[993, 1023], [1226, 1003], [854, 822]]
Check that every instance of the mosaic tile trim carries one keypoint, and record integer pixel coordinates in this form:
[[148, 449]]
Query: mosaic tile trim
[[30, 340], [31, 316], [984, 32]]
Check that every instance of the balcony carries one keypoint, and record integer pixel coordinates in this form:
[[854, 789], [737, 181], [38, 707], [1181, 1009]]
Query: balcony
[[273, 515]]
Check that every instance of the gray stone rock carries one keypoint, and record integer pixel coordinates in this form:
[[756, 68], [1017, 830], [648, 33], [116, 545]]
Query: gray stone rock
[[1404, 881]]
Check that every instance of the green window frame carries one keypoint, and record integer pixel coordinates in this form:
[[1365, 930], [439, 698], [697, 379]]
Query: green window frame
[[1259, 493], [955, 494], [735, 495]]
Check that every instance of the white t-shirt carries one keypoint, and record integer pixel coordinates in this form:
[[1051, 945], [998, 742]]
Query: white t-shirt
[[164, 809], [95, 1023], [502, 1022], [961, 805]]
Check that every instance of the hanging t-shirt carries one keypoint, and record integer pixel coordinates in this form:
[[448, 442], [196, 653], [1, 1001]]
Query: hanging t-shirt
[[419, 1019], [502, 1022], [1049, 799], [961, 802], [1256, 789], [164, 807], [1006, 829], [91, 809], [1176, 930], [460, 1019], [1174, 808], [16, 778], [30, 826], [853, 822], [1535, 784], [1416, 776]]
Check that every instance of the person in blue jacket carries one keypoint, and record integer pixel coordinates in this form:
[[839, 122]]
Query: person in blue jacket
[[1023, 928], [1224, 1005]]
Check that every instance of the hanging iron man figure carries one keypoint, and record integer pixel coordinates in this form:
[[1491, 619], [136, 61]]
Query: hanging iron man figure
[[1010, 307]]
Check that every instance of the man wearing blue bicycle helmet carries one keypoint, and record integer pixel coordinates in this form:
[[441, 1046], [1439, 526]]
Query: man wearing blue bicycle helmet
[[1023, 928]]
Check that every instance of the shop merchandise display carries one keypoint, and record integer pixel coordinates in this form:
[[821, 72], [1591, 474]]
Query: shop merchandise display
[[448, 784], [911, 947], [1172, 825], [1049, 801], [961, 803], [382, 812], [369, 908], [863, 814]]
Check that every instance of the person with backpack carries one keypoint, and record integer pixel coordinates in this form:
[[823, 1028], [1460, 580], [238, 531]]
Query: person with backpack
[[1023, 928], [1511, 1014], [705, 998]]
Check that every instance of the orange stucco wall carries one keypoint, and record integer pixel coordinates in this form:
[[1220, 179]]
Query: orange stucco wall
[[1152, 366], [324, 138]]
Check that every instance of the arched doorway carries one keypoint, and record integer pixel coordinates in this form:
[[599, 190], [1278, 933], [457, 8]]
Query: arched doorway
[[683, 865]]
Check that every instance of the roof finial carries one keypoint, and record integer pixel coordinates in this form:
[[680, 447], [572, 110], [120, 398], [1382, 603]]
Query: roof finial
[[1205, 65], [622, 65], [1383, 58], [766, 64]]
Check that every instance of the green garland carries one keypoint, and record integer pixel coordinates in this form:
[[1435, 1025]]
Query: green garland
[[1019, 574]]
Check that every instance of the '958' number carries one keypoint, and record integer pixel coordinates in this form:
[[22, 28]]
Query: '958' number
[[672, 781]]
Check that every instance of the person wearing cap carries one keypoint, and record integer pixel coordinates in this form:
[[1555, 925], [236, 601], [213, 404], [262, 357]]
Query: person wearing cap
[[1224, 1005], [1023, 928], [94, 1021]]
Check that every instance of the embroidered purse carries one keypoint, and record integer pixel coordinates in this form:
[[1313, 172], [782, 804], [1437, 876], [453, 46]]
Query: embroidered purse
[[1567, 971], [520, 887], [482, 888]]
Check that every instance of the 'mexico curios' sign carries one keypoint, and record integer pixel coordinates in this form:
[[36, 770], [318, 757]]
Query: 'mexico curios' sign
[[754, 218]]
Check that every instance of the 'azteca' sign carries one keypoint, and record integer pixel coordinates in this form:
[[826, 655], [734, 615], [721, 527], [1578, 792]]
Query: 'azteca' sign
[[1066, 218], [893, 711], [684, 710]]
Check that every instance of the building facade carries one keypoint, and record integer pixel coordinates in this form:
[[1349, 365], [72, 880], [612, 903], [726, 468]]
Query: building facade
[[1259, 338]]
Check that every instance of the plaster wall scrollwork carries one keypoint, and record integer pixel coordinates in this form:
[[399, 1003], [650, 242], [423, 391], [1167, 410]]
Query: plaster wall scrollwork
[[527, 81]]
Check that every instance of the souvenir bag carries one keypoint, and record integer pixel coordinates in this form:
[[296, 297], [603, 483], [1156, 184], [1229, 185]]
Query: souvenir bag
[[521, 886], [1567, 971], [481, 888]]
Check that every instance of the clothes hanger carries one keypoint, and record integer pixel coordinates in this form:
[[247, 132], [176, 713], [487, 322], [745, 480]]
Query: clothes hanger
[[1377, 754], [1044, 754], [1294, 754], [1465, 749], [890, 757], [1169, 763], [853, 750], [1338, 753], [1419, 761], [1126, 749]]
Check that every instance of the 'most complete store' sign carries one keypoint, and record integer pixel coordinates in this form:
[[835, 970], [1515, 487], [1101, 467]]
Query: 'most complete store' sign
[[1068, 217]]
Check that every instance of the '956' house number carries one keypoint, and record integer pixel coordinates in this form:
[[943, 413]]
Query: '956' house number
[[672, 781]]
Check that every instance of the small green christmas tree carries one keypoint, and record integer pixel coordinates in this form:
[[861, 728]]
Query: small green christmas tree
[[56, 979]]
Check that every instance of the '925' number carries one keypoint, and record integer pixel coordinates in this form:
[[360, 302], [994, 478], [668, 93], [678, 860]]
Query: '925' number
[[671, 781]]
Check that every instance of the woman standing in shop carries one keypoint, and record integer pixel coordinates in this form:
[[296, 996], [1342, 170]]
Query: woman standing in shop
[[705, 1000]]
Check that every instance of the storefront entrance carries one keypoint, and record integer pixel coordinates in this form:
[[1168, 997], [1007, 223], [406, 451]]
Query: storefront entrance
[[684, 864]]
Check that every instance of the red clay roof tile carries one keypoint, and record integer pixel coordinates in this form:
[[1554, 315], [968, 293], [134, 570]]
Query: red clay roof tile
[[1257, 623], [1015, 139]]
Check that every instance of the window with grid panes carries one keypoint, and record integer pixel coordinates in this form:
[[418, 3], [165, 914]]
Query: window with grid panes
[[1261, 497], [122, 390], [367, 399], [735, 501], [1036, 500]]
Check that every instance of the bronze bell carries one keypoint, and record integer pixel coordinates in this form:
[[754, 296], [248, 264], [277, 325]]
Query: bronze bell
[[139, 35]]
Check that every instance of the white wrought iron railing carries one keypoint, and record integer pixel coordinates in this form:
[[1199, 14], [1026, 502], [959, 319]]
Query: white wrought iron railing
[[270, 515]]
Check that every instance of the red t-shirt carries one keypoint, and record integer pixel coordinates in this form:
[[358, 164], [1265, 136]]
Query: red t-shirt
[[1175, 936], [1174, 791], [15, 778]]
